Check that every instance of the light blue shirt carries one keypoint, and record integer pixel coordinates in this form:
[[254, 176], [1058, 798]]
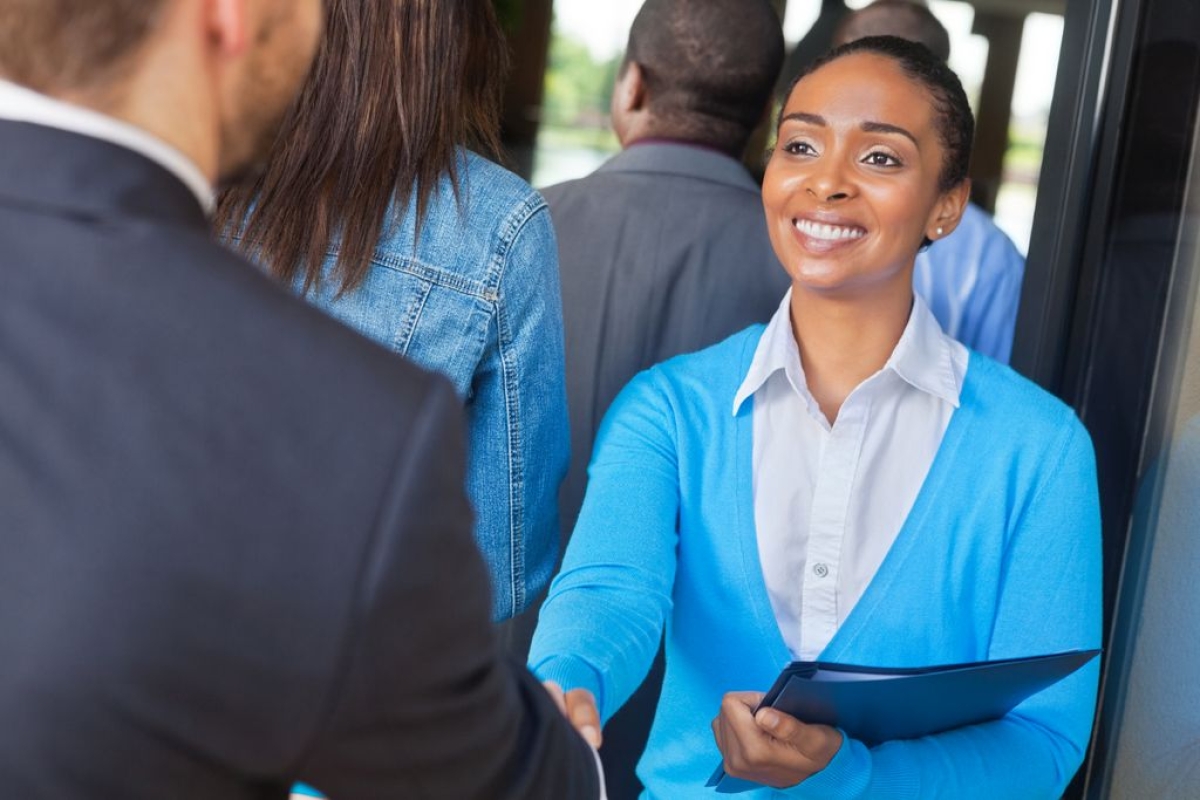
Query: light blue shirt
[[971, 281]]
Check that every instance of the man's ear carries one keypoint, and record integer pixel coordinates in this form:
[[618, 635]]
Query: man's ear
[[228, 25], [948, 211], [630, 89]]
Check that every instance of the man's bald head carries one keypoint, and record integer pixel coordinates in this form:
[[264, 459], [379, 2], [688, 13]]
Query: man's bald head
[[707, 67], [904, 18]]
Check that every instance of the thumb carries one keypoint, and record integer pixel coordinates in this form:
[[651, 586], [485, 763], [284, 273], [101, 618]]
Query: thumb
[[780, 726]]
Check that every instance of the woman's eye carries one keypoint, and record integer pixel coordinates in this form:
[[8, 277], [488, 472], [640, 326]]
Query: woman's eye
[[880, 159], [799, 148]]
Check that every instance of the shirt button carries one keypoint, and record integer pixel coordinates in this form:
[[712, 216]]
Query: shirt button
[[820, 570]]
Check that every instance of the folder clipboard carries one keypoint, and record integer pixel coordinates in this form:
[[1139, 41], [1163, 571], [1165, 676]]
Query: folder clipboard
[[874, 704]]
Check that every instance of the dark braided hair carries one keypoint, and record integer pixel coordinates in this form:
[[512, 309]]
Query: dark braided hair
[[953, 118]]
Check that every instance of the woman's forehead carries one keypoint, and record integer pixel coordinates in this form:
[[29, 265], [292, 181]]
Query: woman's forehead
[[863, 85]]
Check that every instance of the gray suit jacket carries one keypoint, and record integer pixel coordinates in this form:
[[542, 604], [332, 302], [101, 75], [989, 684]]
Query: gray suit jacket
[[235, 549], [663, 251]]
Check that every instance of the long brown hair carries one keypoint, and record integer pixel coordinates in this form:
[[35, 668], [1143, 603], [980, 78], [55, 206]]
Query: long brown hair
[[397, 87]]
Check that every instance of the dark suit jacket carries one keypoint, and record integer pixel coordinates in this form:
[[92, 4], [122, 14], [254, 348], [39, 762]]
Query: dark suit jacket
[[234, 546], [663, 251]]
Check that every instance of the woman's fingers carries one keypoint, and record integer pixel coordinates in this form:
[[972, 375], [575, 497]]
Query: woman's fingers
[[814, 744], [770, 747], [579, 707]]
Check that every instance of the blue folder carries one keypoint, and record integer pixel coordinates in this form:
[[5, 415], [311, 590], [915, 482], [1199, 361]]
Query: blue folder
[[876, 705]]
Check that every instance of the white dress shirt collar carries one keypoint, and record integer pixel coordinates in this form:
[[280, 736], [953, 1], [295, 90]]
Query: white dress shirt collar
[[924, 357], [19, 104]]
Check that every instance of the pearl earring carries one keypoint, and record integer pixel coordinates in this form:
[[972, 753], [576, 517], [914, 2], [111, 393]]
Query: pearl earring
[[939, 231]]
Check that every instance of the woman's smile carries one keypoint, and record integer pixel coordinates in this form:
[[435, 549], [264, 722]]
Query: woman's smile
[[821, 234]]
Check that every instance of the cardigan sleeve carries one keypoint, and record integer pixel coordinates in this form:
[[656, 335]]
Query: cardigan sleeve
[[603, 619], [1049, 602]]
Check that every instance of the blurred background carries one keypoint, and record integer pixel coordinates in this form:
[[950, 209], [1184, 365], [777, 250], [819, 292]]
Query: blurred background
[[1006, 52]]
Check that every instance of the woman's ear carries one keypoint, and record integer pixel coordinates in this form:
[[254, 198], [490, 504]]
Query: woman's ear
[[948, 211]]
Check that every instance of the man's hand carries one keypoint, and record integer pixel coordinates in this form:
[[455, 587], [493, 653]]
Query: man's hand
[[578, 706], [770, 748]]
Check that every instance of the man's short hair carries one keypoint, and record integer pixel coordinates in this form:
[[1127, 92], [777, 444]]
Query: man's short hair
[[904, 18], [56, 46], [709, 65]]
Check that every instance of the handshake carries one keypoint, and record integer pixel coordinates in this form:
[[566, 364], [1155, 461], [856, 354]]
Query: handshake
[[760, 745], [578, 706]]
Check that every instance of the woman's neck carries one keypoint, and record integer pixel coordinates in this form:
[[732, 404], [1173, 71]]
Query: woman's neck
[[843, 341]]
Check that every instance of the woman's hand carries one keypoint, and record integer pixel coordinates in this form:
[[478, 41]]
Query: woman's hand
[[579, 707], [770, 748]]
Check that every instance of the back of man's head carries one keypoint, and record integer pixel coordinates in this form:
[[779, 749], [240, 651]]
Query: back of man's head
[[73, 46], [708, 66], [904, 18]]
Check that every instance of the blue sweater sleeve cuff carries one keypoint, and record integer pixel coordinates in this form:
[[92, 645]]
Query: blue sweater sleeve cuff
[[570, 672], [850, 775]]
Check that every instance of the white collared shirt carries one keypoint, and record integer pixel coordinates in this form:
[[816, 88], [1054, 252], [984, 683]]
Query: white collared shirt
[[19, 104], [830, 500]]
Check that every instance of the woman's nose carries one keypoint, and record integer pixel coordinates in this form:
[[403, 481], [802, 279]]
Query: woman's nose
[[828, 184]]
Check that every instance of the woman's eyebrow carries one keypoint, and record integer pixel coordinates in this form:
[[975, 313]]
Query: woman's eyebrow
[[868, 127], [885, 127], [803, 116]]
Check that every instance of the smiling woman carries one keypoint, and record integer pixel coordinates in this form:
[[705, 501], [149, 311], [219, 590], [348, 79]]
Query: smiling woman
[[852, 192], [846, 484]]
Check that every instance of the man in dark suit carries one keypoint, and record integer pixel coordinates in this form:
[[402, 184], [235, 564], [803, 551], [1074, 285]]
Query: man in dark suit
[[664, 249], [234, 546]]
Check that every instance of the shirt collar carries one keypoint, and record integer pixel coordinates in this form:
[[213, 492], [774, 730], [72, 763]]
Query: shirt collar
[[19, 104], [928, 359], [925, 357], [776, 351]]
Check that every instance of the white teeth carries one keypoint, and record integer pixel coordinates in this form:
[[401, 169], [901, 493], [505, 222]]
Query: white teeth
[[831, 233]]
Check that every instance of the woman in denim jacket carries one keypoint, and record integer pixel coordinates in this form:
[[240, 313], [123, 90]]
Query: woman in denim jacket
[[373, 206]]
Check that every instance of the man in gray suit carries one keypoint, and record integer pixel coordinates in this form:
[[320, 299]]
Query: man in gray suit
[[664, 249], [235, 550]]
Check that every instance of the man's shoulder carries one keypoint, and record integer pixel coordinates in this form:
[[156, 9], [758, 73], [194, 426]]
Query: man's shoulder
[[641, 184], [253, 320], [978, 232]]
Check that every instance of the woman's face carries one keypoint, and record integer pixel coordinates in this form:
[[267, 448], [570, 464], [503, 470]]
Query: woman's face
[[852, 185]]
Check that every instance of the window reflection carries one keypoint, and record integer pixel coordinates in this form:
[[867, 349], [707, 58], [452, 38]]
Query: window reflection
[[1158, 743]]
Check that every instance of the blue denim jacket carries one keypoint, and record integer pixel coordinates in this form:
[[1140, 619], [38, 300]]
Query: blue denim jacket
[[477, 299]]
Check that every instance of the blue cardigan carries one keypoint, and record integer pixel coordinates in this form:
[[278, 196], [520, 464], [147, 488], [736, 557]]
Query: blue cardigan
[[999, 558]]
